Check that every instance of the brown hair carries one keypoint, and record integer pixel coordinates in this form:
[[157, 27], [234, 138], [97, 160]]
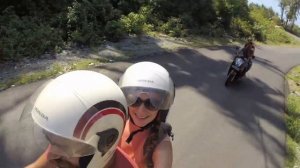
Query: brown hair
[[158, 132], [249, 49]]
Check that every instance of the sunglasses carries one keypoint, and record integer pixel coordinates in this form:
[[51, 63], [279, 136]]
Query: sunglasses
[[156, 99], [150, 104]]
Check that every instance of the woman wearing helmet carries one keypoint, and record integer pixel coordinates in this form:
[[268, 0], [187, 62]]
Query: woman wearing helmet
[[248, 54], [149, 92], [80, 116]]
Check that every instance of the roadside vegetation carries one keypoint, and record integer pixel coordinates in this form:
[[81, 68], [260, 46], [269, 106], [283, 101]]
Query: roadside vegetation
[[32, 28], [52, 71], [293, 119]]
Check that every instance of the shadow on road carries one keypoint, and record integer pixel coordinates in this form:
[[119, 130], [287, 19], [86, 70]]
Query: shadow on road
[[17, 145], [268, 64], [189, 67], [253, 97]]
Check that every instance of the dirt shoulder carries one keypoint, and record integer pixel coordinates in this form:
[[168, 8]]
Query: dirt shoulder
[[49, 65], [126, 49]]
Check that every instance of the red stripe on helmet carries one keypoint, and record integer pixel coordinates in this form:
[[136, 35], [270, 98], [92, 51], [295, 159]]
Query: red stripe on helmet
[[98, 116], [92, 115]]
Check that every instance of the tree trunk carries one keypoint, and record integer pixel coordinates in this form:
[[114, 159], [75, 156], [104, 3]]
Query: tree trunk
[[281, 15]]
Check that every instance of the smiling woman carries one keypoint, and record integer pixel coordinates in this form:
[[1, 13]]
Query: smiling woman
[[149, 92]]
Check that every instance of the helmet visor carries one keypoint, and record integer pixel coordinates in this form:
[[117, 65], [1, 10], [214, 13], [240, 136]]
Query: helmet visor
[[43, 138], [64, 146], [158, 99]]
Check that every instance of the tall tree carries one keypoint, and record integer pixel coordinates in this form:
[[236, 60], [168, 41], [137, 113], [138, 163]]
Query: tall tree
[[283, 5], [291, 9]]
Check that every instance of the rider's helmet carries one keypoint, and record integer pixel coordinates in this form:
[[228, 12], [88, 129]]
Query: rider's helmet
[[83, 113], [149, 77]]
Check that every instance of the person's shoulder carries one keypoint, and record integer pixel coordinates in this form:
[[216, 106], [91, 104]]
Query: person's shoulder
[[165, 141], [122, 160], [164, 137], [163, 154]]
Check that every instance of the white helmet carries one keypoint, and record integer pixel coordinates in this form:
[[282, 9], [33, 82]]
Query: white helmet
[[85, 110], [147, 77]]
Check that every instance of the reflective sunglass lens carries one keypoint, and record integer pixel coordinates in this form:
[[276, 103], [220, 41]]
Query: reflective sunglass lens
[[137, 103], [147, 103]]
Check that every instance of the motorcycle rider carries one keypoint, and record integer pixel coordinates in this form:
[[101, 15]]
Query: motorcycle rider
[[79, 116], [248, 55]]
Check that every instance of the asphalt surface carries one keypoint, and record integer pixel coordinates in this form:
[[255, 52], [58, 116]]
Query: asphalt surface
[[215, 127]]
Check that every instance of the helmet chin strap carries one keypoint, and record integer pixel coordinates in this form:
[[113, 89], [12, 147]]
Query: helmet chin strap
[[129, 139]]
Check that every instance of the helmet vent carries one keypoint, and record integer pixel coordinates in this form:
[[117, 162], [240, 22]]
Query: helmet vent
[[107, 140]]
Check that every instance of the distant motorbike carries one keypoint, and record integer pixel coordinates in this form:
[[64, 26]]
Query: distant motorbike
[[237, 69]]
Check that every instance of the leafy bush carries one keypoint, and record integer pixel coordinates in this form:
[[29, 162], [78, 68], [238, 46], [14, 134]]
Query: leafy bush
[[265, 29], [278, 35], [133, 23], [259, 32], [150, 19], [26, 37], [114, 30], [142, 22], [292, 153], [293, 127], [241, 28], [296, 30], [173, 27], [87, 20], [188, 21], [128, 6], [293, 118]]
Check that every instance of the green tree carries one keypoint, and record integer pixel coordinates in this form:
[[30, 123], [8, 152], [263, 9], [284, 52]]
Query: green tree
[[25, 36], [87, 21], [265, 28], [227, 10], [289, 12], [127, 6]]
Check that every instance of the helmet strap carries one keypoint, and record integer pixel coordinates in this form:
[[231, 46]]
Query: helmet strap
[[129, 139]]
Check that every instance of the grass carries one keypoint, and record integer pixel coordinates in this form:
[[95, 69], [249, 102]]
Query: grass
[[54, 70], [294, 78], [199, 41], [293, 151], [293, 43], [293, 119]]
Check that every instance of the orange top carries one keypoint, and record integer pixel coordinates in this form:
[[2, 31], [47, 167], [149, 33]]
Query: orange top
[[135, 148], [122, 160]]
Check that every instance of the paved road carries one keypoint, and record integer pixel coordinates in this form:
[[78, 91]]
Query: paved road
[[237, 127]]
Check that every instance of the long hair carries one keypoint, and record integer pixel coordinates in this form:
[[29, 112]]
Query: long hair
[[249, 49], [158, 131], [151, 142]]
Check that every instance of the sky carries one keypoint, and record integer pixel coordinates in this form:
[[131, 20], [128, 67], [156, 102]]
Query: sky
[[272, 3]]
